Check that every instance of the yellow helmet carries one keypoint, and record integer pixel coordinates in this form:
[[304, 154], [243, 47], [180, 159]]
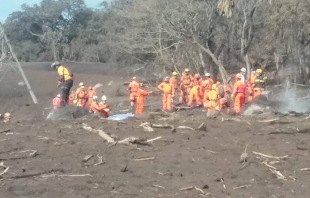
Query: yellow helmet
[[214, 86], [174, 73], [186, 70], [7, 115], [259, 71], [81, 84]]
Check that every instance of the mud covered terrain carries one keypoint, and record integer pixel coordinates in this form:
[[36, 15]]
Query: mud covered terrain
[[45, 158]]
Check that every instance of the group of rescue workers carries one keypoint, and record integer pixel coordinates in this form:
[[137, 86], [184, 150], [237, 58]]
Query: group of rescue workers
[[192, 89], [204, 92]]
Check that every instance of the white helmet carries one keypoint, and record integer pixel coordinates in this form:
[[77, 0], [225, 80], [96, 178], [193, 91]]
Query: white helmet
[[207, 74], [243, 69], [103, 98], [55, 64], [82, 87], [58, 96], [95, 97]]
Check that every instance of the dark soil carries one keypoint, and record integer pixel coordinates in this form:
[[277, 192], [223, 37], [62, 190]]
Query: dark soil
[[208, 159]]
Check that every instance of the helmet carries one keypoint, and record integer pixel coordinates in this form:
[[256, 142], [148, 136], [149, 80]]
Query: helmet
[[259, 71], [243, 69], [207, 74], [134, 78], [197, 75], [55, 64], [90, 88], [218, 83], [81, 84], [166, 78], [103, 98], [141, 84], [82, 87], [174, 73], [58, 96], [7, 115], [214, 86], [95, 97], [186, 70], [238, 76]]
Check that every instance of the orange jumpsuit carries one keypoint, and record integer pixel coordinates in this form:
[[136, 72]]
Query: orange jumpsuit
[[206, 87], [133, 88], [104, 109], [186, 80], [195, 92], [239, 95], [166, 88], [91, 92], [141, 94], [225, 100], [251, 87], [56, 102], [81, 96], [71, 98], [174, 82]]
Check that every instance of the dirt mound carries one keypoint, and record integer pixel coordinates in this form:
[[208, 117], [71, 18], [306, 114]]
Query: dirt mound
[[67, 113]]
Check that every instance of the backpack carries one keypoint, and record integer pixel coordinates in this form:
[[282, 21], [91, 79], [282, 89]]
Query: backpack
[[221, 91]]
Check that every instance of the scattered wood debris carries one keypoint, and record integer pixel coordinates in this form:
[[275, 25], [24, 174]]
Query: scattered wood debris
[[5, 131], [244, 186], [278, 174], [6, 170], [305, 169], [244, 156], [87, 157], [270, 156], [145, 159], [100, 160], [201, 192], [99, 132]]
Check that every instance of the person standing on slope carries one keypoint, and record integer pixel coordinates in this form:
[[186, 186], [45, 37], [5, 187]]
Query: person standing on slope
[[65, 81], [239, 94]]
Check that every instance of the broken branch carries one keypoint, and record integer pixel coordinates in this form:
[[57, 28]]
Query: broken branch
[[145, 159], [99, 132], [270, 156], [5, 171]]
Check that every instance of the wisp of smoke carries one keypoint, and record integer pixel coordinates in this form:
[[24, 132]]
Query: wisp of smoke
[[293, 100]]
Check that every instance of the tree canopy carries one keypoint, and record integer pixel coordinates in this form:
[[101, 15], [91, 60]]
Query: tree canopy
[[205, 35]]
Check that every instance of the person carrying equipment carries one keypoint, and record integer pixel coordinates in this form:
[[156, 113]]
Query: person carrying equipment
[[239, 94], [185, 83], [195, 92], [224, 91], [259, 83], [133, 88], [105, 107], [81, 96], [141, 94], [57, 101], [65, 81], [251, 82], [174, 82], [213, 98], [91, 92], [206, 87], [166, 89]]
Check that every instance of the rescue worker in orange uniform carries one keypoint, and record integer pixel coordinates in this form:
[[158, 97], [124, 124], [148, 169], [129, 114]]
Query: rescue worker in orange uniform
[[71, 97], [174, 81], [213, 98], [195, 92], [166, 89], [251, 86], [91, 92], [133, 88], [57, 101], [206, 87], [224, 91], [96, 108], [81, 96], [104, 107], [185, 83], [259, 83], [239, 94], [65, 81], [141, 94]]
